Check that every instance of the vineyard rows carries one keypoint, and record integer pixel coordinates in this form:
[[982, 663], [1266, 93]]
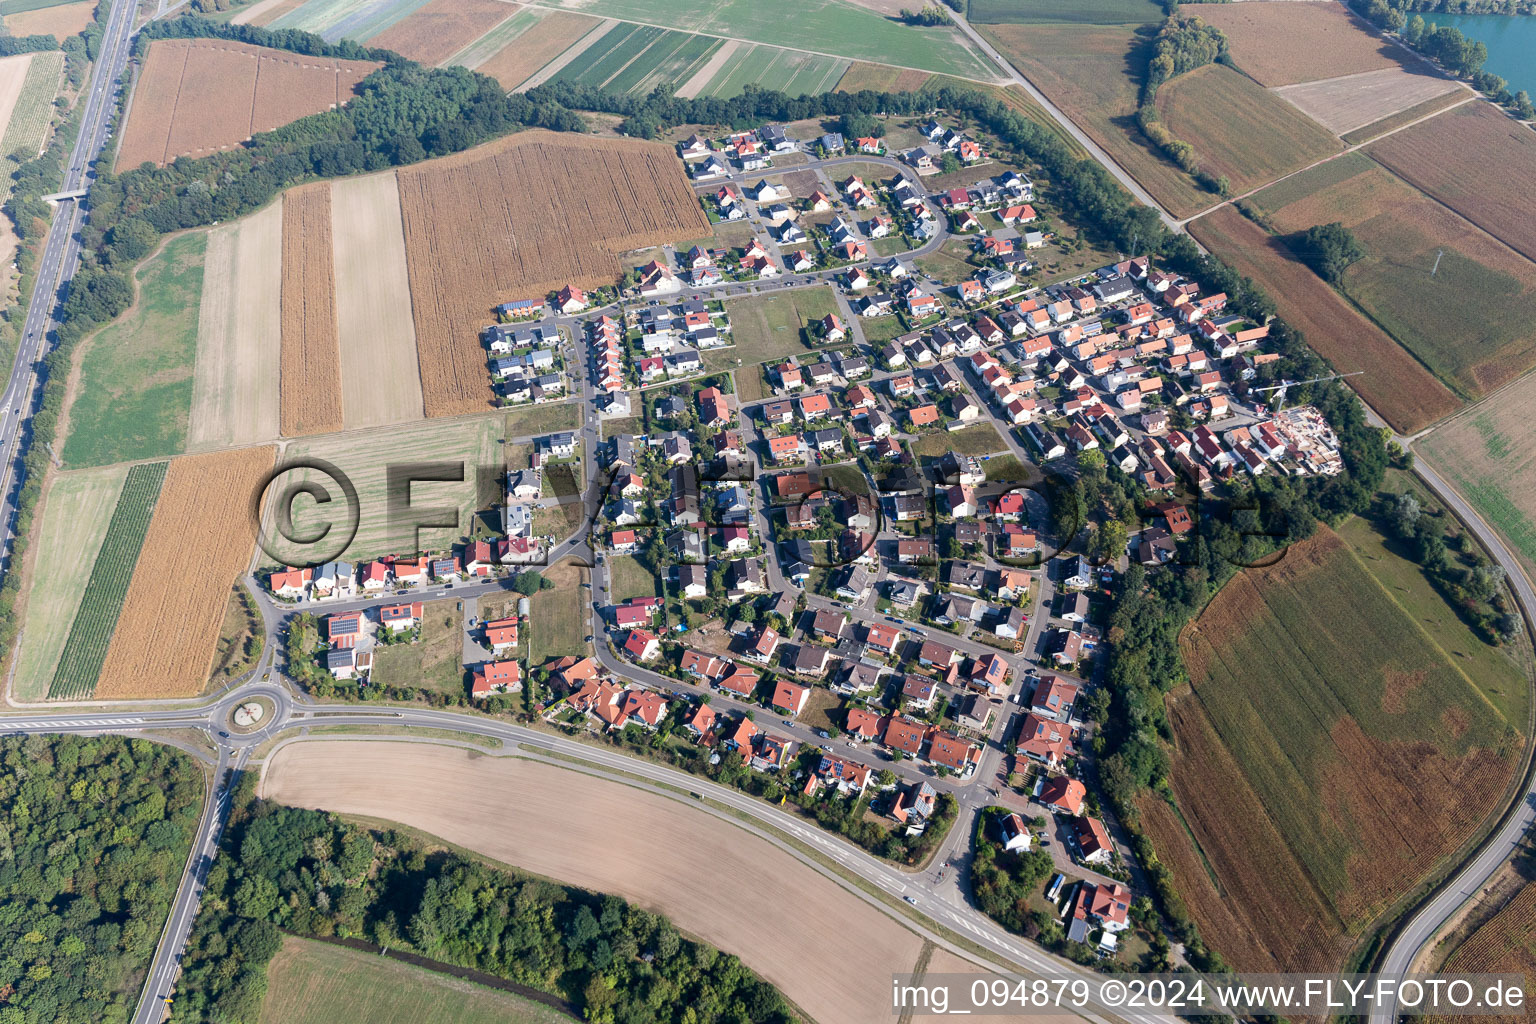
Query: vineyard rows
[[91, 634]]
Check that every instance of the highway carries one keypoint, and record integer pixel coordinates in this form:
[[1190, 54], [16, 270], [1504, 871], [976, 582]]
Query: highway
[[56, 267]]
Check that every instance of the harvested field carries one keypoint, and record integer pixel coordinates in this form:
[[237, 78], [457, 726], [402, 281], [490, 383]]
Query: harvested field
[[567, 204], [830, 952], [235, 380], [1299, 783], [881, 78], [1093, 72], [1476, 161], [1376, 129], [311, 353], [1394, 384], [310, 982], [442, 28], [60, 21], [1343, 104], [202, 538], [197, 96], [1240, 130], [101, 604], [1279, 42], [1489, 454], [554, 33], [1473, 322], [76, 509], [380, 381], [13, 74], [264, 11], [1504, 944], [26, 124], [365, 457]]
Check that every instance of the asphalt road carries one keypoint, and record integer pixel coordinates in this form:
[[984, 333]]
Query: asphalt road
[[56, 267]]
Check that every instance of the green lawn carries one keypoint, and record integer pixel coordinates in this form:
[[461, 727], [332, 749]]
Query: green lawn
[[977, 439], [134, 395], [771, 326], [1081, 12], [1007, 468], [847, 477], [533, 420], [628, 578], [557, 618], [881, 329], [310, 982], [434, 662]]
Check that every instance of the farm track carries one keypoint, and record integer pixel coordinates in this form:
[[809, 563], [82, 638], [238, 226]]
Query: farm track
[[311, 349]]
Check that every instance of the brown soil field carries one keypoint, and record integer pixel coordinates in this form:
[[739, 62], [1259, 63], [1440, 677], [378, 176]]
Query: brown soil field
[[1476, 161], [198, 96], [1326, 786], [1394, 384], [61, 22], [1418, 112], [1279, 42], [311, 353], [555, 33], [1504, 944], [522, 217], [441, 29], [1343, 104], [828, 950], [1473, 323], [200, 541], [881, 78], [1093, 72], [235, 381], [264, 12], [380, 382], [1240, 129]]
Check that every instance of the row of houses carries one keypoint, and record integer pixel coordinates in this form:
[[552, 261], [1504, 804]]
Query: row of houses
[[339, 580]]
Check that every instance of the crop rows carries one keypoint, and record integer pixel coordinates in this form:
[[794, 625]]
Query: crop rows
[[521, 218], [95, 621], [311, 353], [440, 29], [673, 59], [34, 106], [611, 54], [198, 544]]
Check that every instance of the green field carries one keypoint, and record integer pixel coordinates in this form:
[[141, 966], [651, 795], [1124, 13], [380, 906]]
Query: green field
[[435, 661], [834, 27], [771, 67], [134, 395], [536, 420], [91, 634], [365, 458], [771, 326], [627, 578], [337, 19], [22, 6], [310, 982], [1359, 717], [74, 520], [28, 126], [1076, 12], [488, 45], [977, 439], [557, 619]]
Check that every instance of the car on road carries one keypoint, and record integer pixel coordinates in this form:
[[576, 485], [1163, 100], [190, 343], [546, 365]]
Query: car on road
[[224, 734], [588, 639], [788, 723], [911, 901]]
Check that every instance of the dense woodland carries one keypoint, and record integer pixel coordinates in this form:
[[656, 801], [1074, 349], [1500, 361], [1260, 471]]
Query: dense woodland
[[94, 834], [309, 873]]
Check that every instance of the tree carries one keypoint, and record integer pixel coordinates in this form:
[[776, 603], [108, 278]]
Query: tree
[[885, 778], [528, 582], [949, 163], [1109, 540], [1329, 249], [1405, 514]]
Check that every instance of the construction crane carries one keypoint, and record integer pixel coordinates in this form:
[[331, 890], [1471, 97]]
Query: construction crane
[[1285, 385]]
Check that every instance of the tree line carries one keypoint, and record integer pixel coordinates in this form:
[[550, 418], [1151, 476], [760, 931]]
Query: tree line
[[285, 869], [1182, 44], [94, 833]]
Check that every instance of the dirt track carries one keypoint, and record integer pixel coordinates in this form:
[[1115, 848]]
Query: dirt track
[[829, 951]]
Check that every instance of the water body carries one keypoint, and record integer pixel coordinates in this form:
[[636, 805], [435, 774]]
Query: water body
[[1511, 42]]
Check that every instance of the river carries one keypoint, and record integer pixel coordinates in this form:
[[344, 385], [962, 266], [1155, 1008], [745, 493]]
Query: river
[[1511, 42]]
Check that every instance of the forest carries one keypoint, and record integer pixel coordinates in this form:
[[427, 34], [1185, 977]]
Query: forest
[[285, 869], [94, 834]]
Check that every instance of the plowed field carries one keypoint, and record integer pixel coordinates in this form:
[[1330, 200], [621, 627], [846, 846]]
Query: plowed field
[[442, 28], [522, 217], [1325, 784], [311, 356], [199, 542], [196, 96]]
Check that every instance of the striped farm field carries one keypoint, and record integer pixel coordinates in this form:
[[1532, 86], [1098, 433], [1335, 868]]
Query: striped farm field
[[531, 47], [96, 620], [27, 126], [486, 46], [880, 78], [199, 541], [442, 28], [310, 365], [637, 58], [347, 19], [771, 67]]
